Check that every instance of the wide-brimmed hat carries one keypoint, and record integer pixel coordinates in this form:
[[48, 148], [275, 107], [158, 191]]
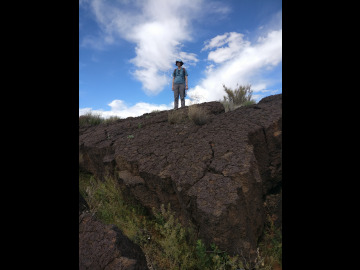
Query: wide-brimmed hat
[[180, 61]]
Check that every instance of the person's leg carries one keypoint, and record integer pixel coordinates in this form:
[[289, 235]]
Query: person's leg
[[182, 94], [176, 96]]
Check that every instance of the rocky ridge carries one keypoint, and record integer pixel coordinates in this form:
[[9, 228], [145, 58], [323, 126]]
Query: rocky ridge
[[224, 177]]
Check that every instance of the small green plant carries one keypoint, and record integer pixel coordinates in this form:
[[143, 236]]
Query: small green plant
[[174, 240], [130, 136], [203, 258], [271, 245]]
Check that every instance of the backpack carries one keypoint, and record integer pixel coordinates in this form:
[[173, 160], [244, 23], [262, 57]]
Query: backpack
[[174, 73]]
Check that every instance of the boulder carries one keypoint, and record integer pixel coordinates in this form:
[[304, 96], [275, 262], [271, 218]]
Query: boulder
[[106, 247]]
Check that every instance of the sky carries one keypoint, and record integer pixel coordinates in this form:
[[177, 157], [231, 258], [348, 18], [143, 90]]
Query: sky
[[128, 50]]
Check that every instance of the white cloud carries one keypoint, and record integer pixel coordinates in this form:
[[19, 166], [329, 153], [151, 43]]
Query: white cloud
[[188, 58], [215, 42], [93, 42], [121, 109], [236, 61], [159, 29], [235, 44]]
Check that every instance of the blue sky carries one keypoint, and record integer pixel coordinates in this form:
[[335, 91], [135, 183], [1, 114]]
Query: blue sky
[[128, 48]]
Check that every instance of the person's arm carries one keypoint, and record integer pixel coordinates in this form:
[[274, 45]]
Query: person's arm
[[173, 83], [186, 82]]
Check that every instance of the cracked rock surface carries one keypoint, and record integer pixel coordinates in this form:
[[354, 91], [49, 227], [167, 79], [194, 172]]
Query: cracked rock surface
[[217, 176]]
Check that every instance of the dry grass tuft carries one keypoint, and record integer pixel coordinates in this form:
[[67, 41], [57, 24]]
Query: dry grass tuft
[[91, 119], [198, 115], [176, 116]]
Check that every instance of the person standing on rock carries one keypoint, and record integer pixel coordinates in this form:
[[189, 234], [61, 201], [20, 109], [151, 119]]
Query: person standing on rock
[[179, 84]]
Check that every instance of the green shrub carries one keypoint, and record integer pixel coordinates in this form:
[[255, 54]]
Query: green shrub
[[89, 119], [166, 243], [241, 96], [271, 245], [203, 258], [177, 250]]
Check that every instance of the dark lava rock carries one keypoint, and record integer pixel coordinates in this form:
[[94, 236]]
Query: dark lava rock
[[106, 247], [217, 176]]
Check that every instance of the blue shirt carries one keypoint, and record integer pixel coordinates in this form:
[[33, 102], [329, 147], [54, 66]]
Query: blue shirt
[[179, 75]]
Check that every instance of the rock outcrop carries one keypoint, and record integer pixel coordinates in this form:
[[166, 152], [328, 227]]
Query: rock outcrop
[[105, 246], [222, 176]]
